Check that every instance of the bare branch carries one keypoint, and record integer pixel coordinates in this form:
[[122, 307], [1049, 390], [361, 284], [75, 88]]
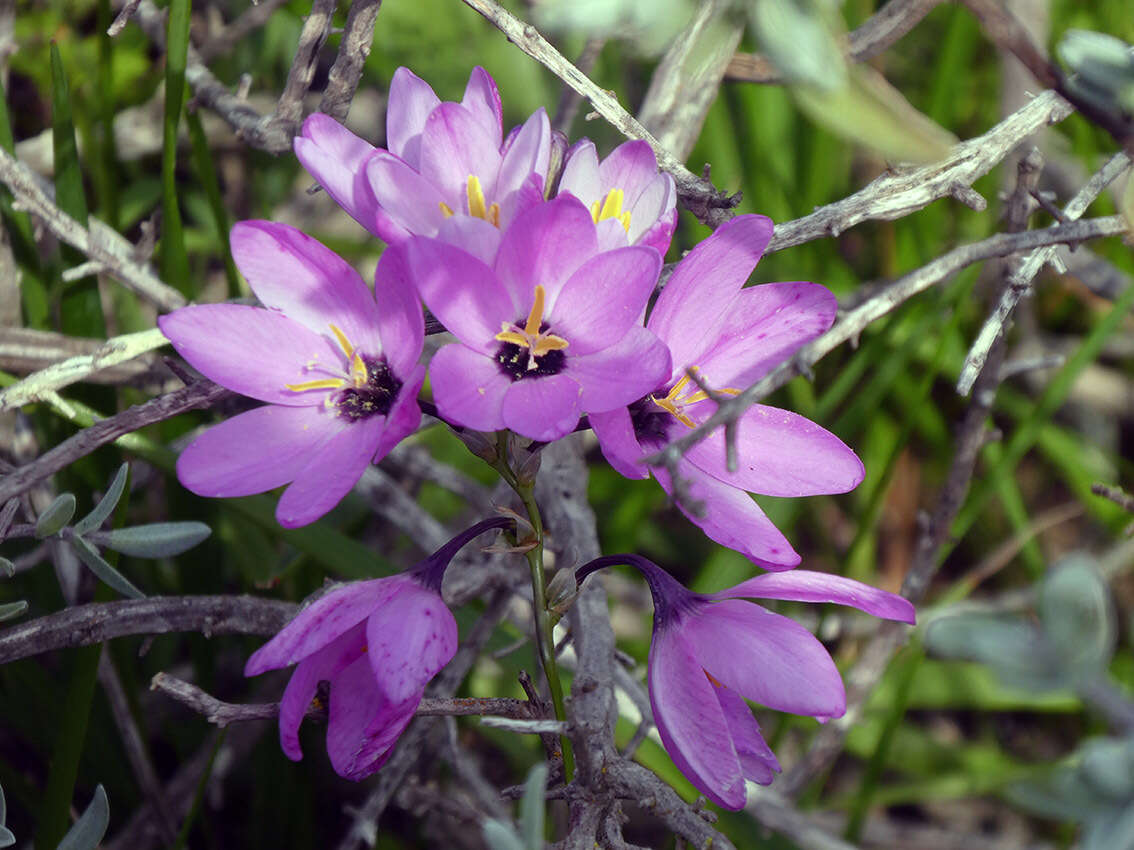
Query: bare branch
[[897, 194], [888, 299], [883, 29], [83, 625], [315, 31], [250, 20], [353, 50], [26, 350], [1116, 494]]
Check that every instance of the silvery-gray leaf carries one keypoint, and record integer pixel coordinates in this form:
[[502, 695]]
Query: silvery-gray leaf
[[1108, 767], [106, 504], [91, 825], [800, 38], [6, 837], [1113, 830], [500, 836], [89, 555], [1011, 647], [7, 568], [55, 518], [1077, 616], [1063, 796], [157, 540], [12, 609], [532, 807]]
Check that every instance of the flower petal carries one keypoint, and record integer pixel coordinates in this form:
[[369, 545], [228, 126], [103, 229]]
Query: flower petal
[[399, 320], [545, 247], [694, 304], [629, 167], [324, 664], [779, 453], [410, 642], [482, 100], [543, 408], [324, 621], [766, 658], [336, 158], [809, 586], [731, 518], [404, 416], [362, 725], [660, 233], [690, 721], [255, 451], [615, 432], [655, 204], [473, 235], [252, 351], [581, 173], [622, 373], [455, 146], [468, 387], [330, 473], [410, 102], [766, 325], [756, 757], [462, 292], [307, 281], [604, 298], [411, 202], [527, 155]]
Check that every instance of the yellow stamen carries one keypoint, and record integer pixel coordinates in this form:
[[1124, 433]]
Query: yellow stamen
[[321, 384], [674, 404], [535, 317], [477, 206], [446, 210], [530, 336], [611, 207], [625, 219], [358, 371], [344, 343]]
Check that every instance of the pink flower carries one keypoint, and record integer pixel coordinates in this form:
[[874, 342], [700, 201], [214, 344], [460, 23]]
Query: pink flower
[[336, 365], [711, 652], [443, 159], [378, 643], [547, 327], [626, 194], [732, 336]]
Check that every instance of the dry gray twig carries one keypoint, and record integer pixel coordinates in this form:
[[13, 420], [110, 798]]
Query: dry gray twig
[[345, 74]]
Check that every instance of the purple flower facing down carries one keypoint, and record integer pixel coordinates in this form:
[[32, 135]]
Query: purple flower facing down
[[628, 198], [377, 643], [548, 327], [441, 160], [336, 364], [731, 336], [710, 652]]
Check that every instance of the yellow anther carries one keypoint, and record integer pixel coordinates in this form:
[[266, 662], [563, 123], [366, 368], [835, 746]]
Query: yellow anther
[[625, 219], [344, 343], [611, 207], [675, 404], [446, 210], [535, 317], [477, 206], [358, 371], [530, 337], [321, 384]]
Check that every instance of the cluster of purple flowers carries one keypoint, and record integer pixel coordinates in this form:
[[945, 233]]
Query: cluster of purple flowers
[[544, 280]]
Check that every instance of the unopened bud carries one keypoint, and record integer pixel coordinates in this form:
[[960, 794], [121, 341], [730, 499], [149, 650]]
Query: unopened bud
[[480, 444], [561, 591]]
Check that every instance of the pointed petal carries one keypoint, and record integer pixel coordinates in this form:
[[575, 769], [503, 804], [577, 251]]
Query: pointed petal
[[324, 664], [622, 373], [766, 325], [399, 319], [299, 276], [252, 351], [362, 726], [656, 202], [809, 586], [756, 757], [732, 519], [324, 621], [659, 235], [410, 102], [695, 302], [690, 720], [766, 658], [604, 298], [482, 100], [581, 173], [330, 474], [468, 388], [543, 408], [779, 453], [255, 451], [545, 247], [528, 154], [473, 235], [405, 414], [454, 146], [410, 642], [336, 158], [615, 432], [520, 201], [410, 201], [462, 292], [629, 167]]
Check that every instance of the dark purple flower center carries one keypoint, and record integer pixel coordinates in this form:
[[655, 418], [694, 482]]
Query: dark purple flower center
[[651, 423], [520, 361], [374, 397]]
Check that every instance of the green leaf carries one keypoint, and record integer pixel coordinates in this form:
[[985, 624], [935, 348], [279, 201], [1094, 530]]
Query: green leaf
[[89, 555], [1108, 767], [802, 38], [532, 807], [7, 568], [174, 260], [500, 836], [157, 540], [1075, 610], [55, 518], [6, 837], [106, 504], [1014, 649], [12, 609], [91, 825]]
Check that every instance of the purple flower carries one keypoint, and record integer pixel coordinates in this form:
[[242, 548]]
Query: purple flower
[[443, 159], [548, 327], [731, 336], [628, 198], [711, 652], [378, 643], [338, 370]]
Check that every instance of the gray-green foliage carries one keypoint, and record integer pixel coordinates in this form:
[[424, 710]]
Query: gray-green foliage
[[503, 836], [1103, 68], [6, 837], [91, 826]]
